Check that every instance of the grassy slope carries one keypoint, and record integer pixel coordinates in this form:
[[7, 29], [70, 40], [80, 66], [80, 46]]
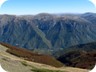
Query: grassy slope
[[35, 57], [12, 63]]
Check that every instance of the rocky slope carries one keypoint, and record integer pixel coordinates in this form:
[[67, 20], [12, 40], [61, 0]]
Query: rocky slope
[[46, 32]]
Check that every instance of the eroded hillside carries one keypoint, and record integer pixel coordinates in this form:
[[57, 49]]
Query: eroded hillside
[[46, 32]]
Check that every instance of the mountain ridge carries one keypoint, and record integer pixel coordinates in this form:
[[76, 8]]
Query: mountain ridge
[[47, 32]]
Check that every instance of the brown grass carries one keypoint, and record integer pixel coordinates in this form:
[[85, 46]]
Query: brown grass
[[35, 57], [80, 59]]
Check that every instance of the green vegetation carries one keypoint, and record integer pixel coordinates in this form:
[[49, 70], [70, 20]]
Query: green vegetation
[[24, 63], [4, 59], [34, 69], [45, 70]]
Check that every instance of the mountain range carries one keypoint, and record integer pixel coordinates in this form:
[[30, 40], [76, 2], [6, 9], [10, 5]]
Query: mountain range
[[70, 38], [48, 33]]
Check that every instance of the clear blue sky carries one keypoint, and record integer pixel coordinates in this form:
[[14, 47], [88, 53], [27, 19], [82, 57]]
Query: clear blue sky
[[21, 7]]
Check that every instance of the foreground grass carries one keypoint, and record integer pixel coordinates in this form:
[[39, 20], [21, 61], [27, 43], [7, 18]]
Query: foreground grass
[[45, 70], [24, 63], [34, 69]]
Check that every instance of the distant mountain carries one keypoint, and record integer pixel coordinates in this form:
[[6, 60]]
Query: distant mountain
[[90, 17], [46, 32]]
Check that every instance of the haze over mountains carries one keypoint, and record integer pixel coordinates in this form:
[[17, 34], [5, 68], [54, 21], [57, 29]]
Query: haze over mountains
[[48, 31]]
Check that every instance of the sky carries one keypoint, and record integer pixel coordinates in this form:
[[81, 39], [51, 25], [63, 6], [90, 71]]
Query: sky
[[22, 7]]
